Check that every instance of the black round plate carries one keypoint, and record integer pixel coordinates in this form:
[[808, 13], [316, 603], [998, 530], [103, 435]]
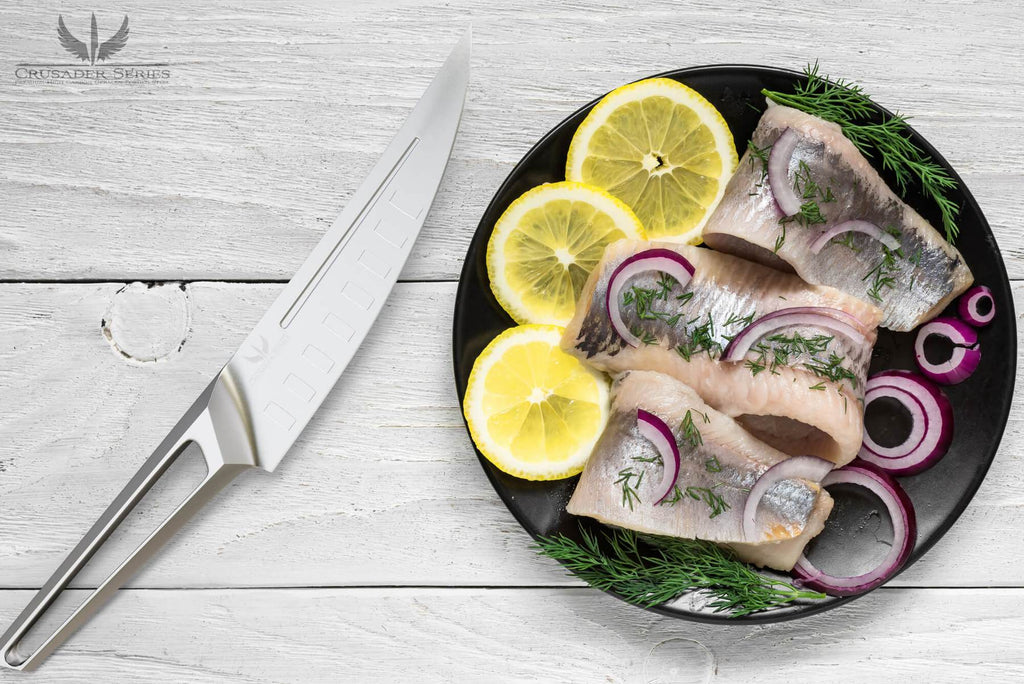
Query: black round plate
[[980, 404]]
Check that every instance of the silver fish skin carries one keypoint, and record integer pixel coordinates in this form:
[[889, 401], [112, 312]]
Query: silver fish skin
[[791, 513], [789, 406], [928, 276]]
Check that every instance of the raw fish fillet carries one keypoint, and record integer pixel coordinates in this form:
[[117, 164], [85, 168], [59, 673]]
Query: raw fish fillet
[[727, 464], [912, 288], [789, 406]]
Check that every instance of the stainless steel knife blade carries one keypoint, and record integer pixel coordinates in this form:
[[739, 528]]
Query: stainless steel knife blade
[[256, 406]]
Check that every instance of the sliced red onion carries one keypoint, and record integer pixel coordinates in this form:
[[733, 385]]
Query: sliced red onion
[[855, 226], [966, 351], [932, 423], [655, 259], [904, 533], [833, 320], [968, 306], [809, 468], [654, 429], [778, 172]]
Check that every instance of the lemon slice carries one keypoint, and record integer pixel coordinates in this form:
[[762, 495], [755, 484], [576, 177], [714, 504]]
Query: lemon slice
[[547, 242], [534, 411], [662, 149]]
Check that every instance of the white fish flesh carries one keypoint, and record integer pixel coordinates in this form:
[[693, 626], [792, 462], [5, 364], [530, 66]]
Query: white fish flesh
[[715, 476], [798, 390], [911, 285]]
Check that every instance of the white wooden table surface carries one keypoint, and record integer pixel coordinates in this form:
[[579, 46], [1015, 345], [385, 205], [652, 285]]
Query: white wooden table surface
[[378, 551]]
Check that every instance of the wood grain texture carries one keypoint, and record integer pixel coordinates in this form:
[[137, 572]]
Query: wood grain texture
[[274, 112], [233, 170], [385, 473], [547, 635]]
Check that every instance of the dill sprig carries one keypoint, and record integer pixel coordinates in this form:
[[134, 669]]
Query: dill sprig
[[846, 104], [690, 431], [714, 501], [759, 154], [643, 299], [736, 318], [648, 570], [832, 369], [630, 495], [700, 338]]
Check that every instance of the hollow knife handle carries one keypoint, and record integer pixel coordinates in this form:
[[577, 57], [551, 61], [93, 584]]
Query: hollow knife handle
[[218, 423]]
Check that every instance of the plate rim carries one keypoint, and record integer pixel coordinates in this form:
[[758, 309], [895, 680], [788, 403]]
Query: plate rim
[[801, 610]]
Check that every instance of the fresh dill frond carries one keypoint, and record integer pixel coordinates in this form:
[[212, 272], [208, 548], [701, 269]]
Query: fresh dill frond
[[700, 338], [809, 215], [665, 285], [831, 369], [846, 239], [781, 239], [736, 318], [820, 387], [882, 276], [714, 501], [645, 336], [712, 465], [846, 104], [690, 432], [648, 570], [630, 495], [759, 154]]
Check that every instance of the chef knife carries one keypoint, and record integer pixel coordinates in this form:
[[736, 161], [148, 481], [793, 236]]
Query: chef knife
[[251, 413]]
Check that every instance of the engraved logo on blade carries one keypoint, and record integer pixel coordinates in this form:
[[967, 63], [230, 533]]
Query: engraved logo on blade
[[258, 351]]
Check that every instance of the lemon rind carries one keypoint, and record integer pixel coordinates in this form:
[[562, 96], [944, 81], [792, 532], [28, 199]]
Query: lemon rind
[[665, 87], [476, 420], [603, 200]]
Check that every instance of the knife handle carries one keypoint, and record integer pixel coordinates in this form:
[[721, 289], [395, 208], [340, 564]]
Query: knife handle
[[218, 423]]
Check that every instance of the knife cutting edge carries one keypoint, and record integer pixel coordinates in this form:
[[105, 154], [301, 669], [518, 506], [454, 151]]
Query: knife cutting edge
[[256, 406]]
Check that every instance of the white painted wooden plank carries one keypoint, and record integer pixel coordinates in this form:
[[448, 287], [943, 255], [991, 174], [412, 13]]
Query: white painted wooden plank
[[274, 113], [382, 489], [549, 635]]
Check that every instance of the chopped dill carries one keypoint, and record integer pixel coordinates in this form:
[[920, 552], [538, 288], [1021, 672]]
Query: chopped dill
[[759, 154], [781, 239], [630, 495], [714, 501], [832, 369], [690, 432], [820, 387], [882, 275], [712, 465], [700, 339], [809, 215], [645, 336], [745, 320], [846, 239]]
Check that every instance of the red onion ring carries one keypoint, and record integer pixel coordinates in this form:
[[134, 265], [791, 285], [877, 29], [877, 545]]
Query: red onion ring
[[904, 529], [968, 306], [855, 226], [655, 259], [809, 468], [834, 320], [658, 433], [966, 351], [932, 430], [778, 172]]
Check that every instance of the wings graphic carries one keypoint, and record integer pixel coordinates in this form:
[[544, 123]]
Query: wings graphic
[[72, 44], [114, 44]]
